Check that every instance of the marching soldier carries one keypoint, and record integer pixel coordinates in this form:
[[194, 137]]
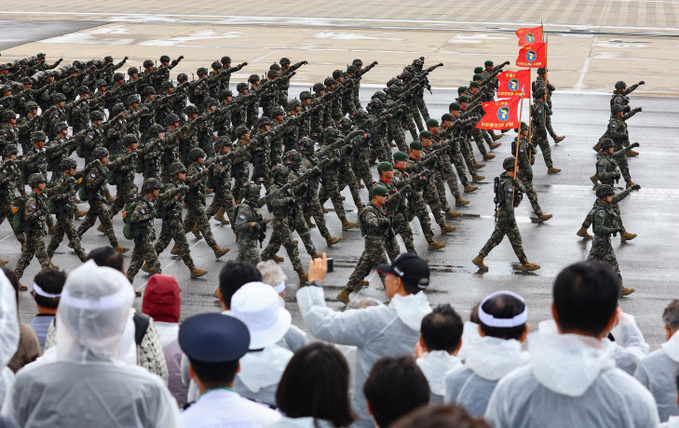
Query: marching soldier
[[141, 225], [249, 224]]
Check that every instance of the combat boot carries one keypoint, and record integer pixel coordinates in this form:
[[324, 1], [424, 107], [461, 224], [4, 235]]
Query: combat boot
[[331, 240], [559, 139], [529, 266], [625, 291], [146, 268], [120, 249], [494, 146], [488, 156], [477, 177], [478, 261], [582, 232], [324, 210], [478, 165], [459, 202], [626, 236], [468, 188], [552, 170], [452, 214], [346, 224], [632, 153], [359, 207], [175, 250], [594, 179], [3, 262], [630, 183], [100, 228], [80, 214], [50, 229], [220, 216], [195, 272], [435, 245], [277, 258], [358, 181], [209, 191], [219, 252], [544, 217], [446, 228], [496, 137], [343, 296], [302, 275], [22, 287], [53, 266], [196, 232], [110, 199], [308, 222], [316, 256]]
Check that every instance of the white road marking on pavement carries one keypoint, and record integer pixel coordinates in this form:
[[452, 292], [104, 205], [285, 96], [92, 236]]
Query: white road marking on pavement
[[585, 66]]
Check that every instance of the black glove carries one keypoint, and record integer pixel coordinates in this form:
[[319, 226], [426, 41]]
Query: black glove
[[634, 145], [635, 187], [642, 82]]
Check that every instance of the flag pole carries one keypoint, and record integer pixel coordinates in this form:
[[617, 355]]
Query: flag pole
[[518, 143], [530, 116]]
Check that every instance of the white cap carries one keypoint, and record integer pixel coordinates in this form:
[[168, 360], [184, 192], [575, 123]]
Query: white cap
[[258, 306]]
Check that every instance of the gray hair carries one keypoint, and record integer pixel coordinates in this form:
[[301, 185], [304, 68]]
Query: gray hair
[[272, 274], [671, 315]]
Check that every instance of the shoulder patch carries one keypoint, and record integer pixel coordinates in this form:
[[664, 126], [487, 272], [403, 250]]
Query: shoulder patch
[[601, 163], [612, 125], [601, 213], [242, 217], [509, 189]]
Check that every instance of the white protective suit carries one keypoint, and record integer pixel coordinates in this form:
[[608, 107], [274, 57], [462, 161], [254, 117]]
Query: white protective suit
[[376, 331], [489, 359], [570, 381], [260, 373], [435, 365], [87, 385], [9, 333], [658, 372]]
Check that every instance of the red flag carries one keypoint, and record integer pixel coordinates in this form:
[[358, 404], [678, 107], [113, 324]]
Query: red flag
[[532, 56], [501, 114], [512, 82], [528, 36]]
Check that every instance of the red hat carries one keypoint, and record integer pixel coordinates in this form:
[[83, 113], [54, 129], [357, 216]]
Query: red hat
[[161, 299]]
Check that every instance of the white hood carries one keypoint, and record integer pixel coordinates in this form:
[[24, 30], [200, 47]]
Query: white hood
[[492, 358], [567, 364], [9, 322], [671, 347], [470, 334], [264, 368], [435, 365], [411, 309]]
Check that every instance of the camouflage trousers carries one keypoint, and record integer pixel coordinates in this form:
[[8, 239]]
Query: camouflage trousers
[[602, 251], [448, 175], [63, 227], [6, 213], [468, 155], [98, 209], [478, 135], [330, 189], [374, 253], [361, 163], [223, 199], [382, 147], [412, 128], [143, 252], [348, 178], [422, 107], [35, 246], [173, 228], [441, 190], [540, 138], [531, 193], [431, 197], [623, 165], [417, 118], [247, 250], [505, 225], [312, 207], [396, 133], [402, 227], [282, 235], [418, 208], [459, 162], [297, 223], [195, 216], [125, 194], [548, 125]]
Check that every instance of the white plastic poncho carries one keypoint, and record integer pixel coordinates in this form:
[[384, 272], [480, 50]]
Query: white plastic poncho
[[489, 359], [435, 365], [87, 385], [570, 381], [9, 333], [377, 331], [260, 373], [657, 372]]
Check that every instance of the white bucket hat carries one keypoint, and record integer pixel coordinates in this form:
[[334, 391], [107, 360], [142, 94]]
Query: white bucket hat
[[258, 306]]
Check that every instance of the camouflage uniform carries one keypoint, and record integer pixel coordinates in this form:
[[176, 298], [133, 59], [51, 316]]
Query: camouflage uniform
[[539, 132], [606, 222], [246, 214], [141, 222], [170, 210], [62, 195], [431, 195], [396, 208], [94, 181], [35, 211], [525, 175], [548, 88], [617, 131], [282, 207], [195, 200], [416, 207], [220, 179], [123, 173], [9, 173]]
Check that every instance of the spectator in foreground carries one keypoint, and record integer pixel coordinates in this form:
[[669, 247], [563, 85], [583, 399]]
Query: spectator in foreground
[[214, 344], [570, 380], [47, 286], [376, 331], [449, 416], [98, 389], [314, 389], [657, 372], [440, 339], [9, 333], [394, 388], [29, 345], [673, 421], [502, 326]]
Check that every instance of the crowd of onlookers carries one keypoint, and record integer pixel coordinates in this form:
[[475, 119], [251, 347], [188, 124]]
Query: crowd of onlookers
[[89, 359]]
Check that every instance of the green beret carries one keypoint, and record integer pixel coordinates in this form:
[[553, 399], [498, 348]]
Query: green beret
[[478, 70], [425, 134], [448, 117], [488, 63], [400, 156], [463, 99], [379, 190], [474, 84], [462, 89], [477, 76], [454, 107], [384, 166], [432, 123], [416, 145]]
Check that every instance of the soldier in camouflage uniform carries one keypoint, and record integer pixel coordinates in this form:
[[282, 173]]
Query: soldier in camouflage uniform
[[35, 211], [27, 124], [196, 221], [8, 133], [10, 175], [617, 131], [220, 179], [508, 196], [541, 82], [79, 111], [61, 196], [151, 152], [526, 153], [376, 230], [282, 206], [606, 166], [249, 224], [170, 209], [539, 131], [620, 94], [437, 176], [606, 223], [54, 115], [122, 170], [141, 224], [205, 129]]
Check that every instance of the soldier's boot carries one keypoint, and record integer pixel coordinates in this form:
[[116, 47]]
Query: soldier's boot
[[220, 216], [494, 146], [302, 275], [478, 165], [596, 147], [358, 181], [343, 296], [459, 202], [109, 198], [632, 153], [359, 207], [435, 245], [120, 249], [346, 224], [626, 291], [477, 177], [316, 256], [626, 236], [219, 252], [446, 228], [209, 191], [308, 222], [277, 258], [80, 213], [529, 266], [53, 266], [364, 282], [496, 137], [324, 210], [239, 200], [559, 139], [488, 156], [544, 217], [22, 287], [50, 229], [3, 262], [175, 250], [478, 261], [195, 272], [468, 188], [146, 268], [594, 179], [582, 232], [196, 232], [332, 240], [452, 214], [552, 170], [630, 183], [100, 228]]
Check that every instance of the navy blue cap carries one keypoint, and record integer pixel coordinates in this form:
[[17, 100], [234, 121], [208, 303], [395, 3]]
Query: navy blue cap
[[214, 338]]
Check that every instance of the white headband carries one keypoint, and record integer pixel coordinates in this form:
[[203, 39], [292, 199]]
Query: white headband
[[280, 287], [491, 321], [40, 292], [107, 302]]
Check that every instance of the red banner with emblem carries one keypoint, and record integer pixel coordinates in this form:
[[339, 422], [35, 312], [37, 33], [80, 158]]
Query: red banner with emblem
[[528, 36], [501, 114], [534, 56], [511, 83]]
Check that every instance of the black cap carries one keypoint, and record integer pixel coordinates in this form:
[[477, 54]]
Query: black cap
[[412, 270], [214, 338]]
